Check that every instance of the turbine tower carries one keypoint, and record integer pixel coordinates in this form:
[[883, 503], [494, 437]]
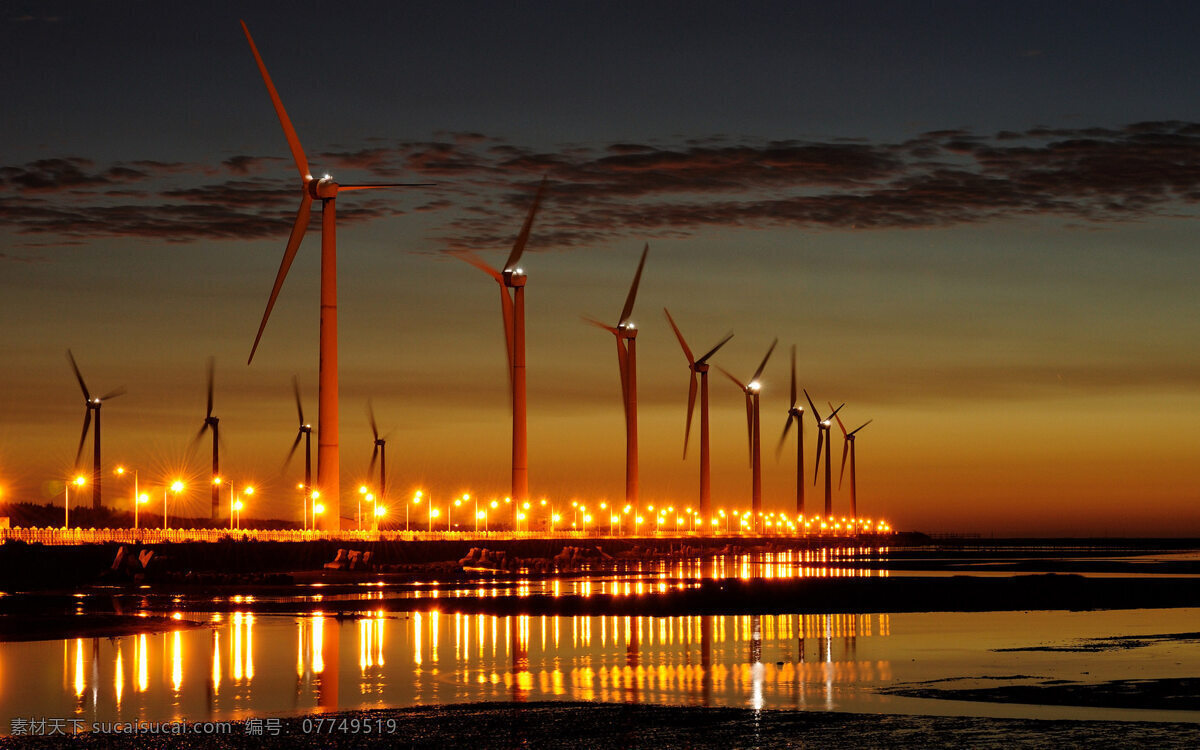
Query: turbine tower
[[848, 447], [93, 405], [699, 367], [512, 308], [753, 433], [795, 414], [823, 438], [210, 423], [304, 433], [626, 336], [325, 190]]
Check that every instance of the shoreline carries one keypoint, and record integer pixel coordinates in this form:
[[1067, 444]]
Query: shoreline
[[624, 725], [855, 595]]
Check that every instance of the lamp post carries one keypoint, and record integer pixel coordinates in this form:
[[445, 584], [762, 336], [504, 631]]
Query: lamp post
[[362, 491], [433, 513], [415, 501], [176, 487], [120, 471], [79, 482]]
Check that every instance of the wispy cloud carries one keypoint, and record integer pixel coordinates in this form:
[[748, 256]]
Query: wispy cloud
[[653, 189]]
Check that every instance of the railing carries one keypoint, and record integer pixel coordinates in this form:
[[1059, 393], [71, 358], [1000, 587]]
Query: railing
[[60, 536]]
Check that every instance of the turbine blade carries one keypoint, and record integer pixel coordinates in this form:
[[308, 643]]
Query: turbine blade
[[473, 259], [637, 278], [114, 393], [79, 376], [713, 351], [835, 416], [845, 451], [783, 438], [741, 386], [763, 365], [523, 237], [289, 132], [292, 452], [623, 366], [793, 391], [864, 424], [817, 463], [299, 408], [750, 427], [374, 458], [507, 313], [598, 324], [211, 368], [289, 254], [815, 414], [196, 440], [87, 422], [371, 416], [835, 411], [378, 186], [687, 430], [686, 351]]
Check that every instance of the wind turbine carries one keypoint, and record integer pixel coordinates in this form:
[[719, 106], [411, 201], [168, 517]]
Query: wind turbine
[[795, 414], [379, 452], [93, 405], [753, 432], [326, 190], [210, 423], [512, 308], [304, 433], [626, 336], [848, 447], [823, 438], [699, 366]]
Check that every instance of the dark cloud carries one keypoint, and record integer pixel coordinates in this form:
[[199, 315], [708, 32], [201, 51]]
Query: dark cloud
[[482, 185]]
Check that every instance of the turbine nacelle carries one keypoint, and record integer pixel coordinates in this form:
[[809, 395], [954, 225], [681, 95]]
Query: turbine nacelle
[[753, 386], [514, 277], [322, 189]]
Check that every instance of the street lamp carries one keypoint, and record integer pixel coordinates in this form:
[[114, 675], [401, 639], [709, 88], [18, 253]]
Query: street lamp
[[415, 501], [362, 491], [79, 481], [433, 513], [176, 487], [120, 471], [235, 511]]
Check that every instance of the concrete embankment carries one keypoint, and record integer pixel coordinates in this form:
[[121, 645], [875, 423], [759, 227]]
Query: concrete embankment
[[30, 567]]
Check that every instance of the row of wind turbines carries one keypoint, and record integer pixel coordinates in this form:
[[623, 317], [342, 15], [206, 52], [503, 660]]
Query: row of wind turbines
[[511, 280]]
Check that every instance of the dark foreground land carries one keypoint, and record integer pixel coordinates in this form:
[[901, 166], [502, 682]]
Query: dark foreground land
[[606, 725]]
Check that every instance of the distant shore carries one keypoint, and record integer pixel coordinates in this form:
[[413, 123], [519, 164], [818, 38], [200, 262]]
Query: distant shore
[[554, 726]]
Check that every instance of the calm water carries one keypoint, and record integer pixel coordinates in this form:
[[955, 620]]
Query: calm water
[[245, 664]]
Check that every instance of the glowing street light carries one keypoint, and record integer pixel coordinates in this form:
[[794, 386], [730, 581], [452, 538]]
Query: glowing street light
[[176, 487], [121, 471], [417, 496], [140, 500], [78, 481], [433, 513]]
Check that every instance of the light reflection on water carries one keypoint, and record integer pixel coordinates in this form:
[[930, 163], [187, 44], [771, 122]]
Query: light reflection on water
[[249, 664], [239, 666], [630, 578]]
